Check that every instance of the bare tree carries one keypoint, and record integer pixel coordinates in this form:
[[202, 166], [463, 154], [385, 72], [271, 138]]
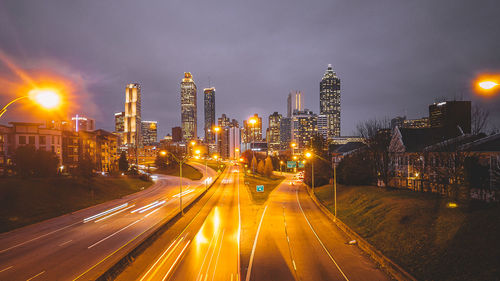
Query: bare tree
[[479, 119]]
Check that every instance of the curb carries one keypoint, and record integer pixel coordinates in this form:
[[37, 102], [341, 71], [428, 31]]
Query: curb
[[146, 240], [394, 270]]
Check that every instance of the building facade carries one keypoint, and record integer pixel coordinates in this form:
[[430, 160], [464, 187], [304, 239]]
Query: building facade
[[82, 123], [209, 97], [252, 132], [329, 101], [323, 126], [149, 131], [285, 133], [119, 122], [450, 114], [188, 108], [176, 134], [295, 102], [304, 127], [273, 136], [132, 128]]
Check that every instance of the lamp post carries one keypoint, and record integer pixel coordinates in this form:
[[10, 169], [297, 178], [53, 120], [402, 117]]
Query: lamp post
[[216, 130], [180, 161], [198, 152], [293, 145], [44, 97], [281, 167], [309, 155]]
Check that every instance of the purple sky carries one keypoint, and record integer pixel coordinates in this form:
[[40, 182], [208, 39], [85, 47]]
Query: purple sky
[[393, 57]]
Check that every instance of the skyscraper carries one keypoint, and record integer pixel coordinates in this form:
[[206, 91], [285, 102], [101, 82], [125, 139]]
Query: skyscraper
[[323, 126], [329, 101], [176, 134], [132, 128], [82, 123], [149, 132], [188, 108], [294, 103], [209, 94], [273, 141], [304, 126], [119, 122], [450, 114], [285, 133], [252, 132]]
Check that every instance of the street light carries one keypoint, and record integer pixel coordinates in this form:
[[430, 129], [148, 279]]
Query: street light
[[198, 152], [253, 121], [180, 161], [46, 98], [293, 145], [309, 155], [487, 85]]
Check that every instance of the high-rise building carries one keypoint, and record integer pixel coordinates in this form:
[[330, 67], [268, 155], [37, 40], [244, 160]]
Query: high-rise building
[[304, 126], [329, 101], [450, 114], [285, 133], [229, 141], [223, 121], [188, 108], [273, 138], [323, 126], [209, 94], [176, 134], [295, 102], [149, 132], [82, 123], [252, 132], [119, 121], [132, 129]]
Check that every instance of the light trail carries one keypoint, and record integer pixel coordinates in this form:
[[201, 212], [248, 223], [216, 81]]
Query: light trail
[[36, 276], [176, 242], [104, 239], [152, 206], [184, 193], [115, 213], [176, 260], [136, 210], [105, 213]]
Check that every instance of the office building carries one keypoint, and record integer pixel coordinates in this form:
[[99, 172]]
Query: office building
[[188, 108], [448, 115], [209, 95], [252, 132], [273, 136], [119, 121], [176, 134], [416, 123], [223, 121], [304, 127], [229, 141], [323, 126], [329, 101], [82, 123], [285, 133], [149, 132], [132, 129], [295, 102]]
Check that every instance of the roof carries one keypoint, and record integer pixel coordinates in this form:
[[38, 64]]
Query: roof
[[416, 139], [489, 143], [349, 147], [453, 144]]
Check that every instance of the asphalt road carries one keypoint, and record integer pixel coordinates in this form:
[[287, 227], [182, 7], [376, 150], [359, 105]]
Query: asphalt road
[[206, 249], [79, 246], [296, 241]]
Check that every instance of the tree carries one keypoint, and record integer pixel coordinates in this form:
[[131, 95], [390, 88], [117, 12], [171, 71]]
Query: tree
[[479, 119], [29, 162], [378, 137], [260, 167], [268, 167], [254, 164], [85, 166], [354, 169], [123, 162], [322, 163], [161, 162]]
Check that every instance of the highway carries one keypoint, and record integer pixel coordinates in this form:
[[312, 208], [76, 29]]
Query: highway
[[296, 241], [208, 248], [81, 245]]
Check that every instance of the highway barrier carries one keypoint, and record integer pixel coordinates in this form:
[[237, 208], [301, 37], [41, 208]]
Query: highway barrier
[[389, 266], [126, 255]]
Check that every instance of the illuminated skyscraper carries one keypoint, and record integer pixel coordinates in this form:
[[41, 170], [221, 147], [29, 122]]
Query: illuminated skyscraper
[[329, 101], [252, 132], [304, 127], [273, 140], [209, 94], [188, 108], [294, 103], [119, 122], [149, 131], [132, 119]]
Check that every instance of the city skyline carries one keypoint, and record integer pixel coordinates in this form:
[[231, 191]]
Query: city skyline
[[401, 70]]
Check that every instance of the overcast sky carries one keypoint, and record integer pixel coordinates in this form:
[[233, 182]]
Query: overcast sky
[[393, 57]]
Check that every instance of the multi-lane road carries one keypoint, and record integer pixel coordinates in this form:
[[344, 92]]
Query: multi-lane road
[[82, 245], [292, 240]]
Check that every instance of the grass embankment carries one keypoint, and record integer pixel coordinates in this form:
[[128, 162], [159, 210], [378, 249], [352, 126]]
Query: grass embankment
[[27, 201], [251, 182], [187, 172], [420, 233]]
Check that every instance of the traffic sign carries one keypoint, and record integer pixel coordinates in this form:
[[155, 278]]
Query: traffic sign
[[260, 188], [291, 164], [301, 164]]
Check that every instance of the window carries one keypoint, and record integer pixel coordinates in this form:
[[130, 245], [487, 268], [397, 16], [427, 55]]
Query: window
[[22, 139], [42, 140], [31, 140]]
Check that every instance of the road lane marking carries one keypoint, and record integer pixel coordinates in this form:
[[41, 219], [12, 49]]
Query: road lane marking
[[176, 242], [176, 260], [152, 212], [104, 239], [254, 246], [36, 238], [36, 276], [200, 276], [289, 246], [6, 268], [218, 255], [85, 220], [213, 252], [317, 237], [115, 213], [62, 244]]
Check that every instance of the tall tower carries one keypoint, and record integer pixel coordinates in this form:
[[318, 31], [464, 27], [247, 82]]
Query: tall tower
[[209, 94], [329, 101], [132, 118], [273, 142], [188, 108], [294, 103]]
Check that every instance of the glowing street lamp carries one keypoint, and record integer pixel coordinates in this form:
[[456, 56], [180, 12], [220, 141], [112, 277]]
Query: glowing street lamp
[[45, 98], [487, 85], [309, 155], [163, 153]]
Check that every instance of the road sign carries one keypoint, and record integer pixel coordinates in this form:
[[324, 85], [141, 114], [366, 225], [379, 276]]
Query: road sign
[[291, 164], [260, 188], [301, 164]]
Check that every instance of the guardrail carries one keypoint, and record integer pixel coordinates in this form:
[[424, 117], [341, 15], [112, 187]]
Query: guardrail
[[127, 255], [389, 266]]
